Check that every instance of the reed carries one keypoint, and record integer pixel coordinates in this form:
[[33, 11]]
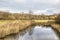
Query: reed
[[12, 26]]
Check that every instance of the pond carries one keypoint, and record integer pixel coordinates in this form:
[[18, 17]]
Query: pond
[[34, 33]]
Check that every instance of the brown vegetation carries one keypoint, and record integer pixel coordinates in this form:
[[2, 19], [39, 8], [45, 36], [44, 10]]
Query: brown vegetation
[[13, 26], [56, 27], [21, 16], [13, 22]]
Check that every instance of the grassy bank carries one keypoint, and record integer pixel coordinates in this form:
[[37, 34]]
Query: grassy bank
[[12, 26], [56, 27]]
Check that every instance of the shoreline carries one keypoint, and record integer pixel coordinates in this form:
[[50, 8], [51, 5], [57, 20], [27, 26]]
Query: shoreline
[[8, 27]]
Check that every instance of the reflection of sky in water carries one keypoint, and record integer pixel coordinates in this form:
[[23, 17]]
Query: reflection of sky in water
[[40, 33], [37, 33]]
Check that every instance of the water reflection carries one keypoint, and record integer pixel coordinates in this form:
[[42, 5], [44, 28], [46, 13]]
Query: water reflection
[[34, 33]]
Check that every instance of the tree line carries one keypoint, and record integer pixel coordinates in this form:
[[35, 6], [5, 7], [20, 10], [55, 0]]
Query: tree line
[[21, 16], [58, 19]]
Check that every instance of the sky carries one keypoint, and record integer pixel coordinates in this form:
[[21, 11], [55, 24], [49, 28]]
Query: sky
[[38, 6]]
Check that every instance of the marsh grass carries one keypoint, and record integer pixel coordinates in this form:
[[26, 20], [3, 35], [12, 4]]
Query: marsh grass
[[12, 26], [8, 27]]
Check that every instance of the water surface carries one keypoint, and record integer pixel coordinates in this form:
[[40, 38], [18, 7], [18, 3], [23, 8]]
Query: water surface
[[34, 33]]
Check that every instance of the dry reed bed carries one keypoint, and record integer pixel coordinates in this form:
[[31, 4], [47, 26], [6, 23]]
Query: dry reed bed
[[13, 26], [56, 26]]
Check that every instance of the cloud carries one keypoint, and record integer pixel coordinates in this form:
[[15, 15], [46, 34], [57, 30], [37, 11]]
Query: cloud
[[36, 1], [48, 11], [20, 1], [42, 5], [47, 1]]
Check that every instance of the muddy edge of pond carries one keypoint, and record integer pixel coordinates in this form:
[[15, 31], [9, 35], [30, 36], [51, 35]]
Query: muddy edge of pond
[[14, 26]]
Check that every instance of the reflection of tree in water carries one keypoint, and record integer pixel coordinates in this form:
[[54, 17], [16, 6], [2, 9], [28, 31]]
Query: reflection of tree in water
[[57, 33], [11, 37], [22, 33], [30, 30], [15, 36]]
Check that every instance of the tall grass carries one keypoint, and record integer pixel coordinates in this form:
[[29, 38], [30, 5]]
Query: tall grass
[[12, 26]]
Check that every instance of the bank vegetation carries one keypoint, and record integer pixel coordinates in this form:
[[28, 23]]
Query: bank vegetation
[[14, 22]]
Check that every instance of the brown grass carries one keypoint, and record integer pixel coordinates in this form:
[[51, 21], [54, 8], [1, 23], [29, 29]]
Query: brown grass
[[56, 26], [8, 27], [13, 26]]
